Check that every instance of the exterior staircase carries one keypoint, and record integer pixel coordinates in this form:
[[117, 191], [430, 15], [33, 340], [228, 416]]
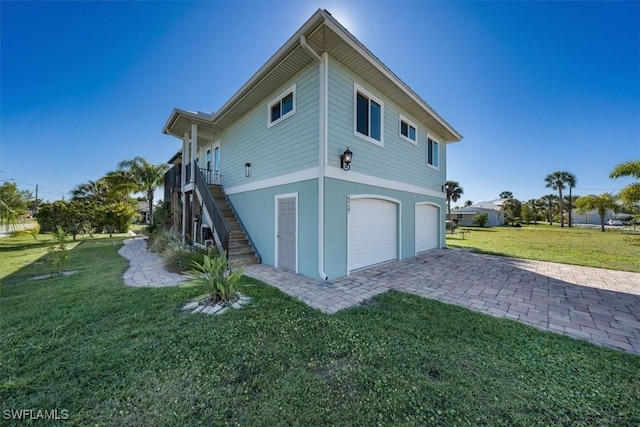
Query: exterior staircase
[[240, 250]]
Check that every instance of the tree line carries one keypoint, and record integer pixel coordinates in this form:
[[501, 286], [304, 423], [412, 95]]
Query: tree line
[[104, 205], [553, 207]]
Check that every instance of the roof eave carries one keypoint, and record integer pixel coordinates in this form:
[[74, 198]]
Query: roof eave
[[320, 17], [366, 53], [314, 21]]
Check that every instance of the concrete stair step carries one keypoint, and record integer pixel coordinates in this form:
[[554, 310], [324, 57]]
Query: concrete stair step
[[239, 251], [235, 243], [243, 260]]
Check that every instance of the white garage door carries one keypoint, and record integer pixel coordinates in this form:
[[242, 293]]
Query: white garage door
[[372, 232], [426, 227]]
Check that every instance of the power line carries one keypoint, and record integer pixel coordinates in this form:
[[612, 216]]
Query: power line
[[47, 190]]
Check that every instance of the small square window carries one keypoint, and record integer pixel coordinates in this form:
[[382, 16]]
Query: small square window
[[282, 107], [408, 130]]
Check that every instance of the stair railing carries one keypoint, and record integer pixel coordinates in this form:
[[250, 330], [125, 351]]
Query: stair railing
[[219, 224]]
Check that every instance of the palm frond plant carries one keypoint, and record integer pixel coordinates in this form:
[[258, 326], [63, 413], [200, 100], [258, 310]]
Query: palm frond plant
[[217, 277], [59, 252]]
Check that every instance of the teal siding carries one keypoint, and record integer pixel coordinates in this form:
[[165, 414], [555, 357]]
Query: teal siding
[[286, 147], [257, 210], [336, 193], [398, 160]]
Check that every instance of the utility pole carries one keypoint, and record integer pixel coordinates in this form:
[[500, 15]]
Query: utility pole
[[35, 209]]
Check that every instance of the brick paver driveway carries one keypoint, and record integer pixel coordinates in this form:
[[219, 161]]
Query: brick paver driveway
[[602, 306]]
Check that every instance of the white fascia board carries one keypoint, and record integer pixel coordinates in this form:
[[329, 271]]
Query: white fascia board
[[360, 178], [175, 116], [290, 178]]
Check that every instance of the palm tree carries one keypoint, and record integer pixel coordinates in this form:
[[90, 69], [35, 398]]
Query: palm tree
[[601, 202], [571, 181], [631, 193], [121, 184], [506, 195], [454, 191], [95, 191], [468, 203], [13, 205], [557, 181], [549, 201], [145, 176], [512, 207]]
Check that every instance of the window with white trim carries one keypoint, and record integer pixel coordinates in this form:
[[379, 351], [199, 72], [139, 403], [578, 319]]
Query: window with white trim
[[282, 107], [408, 130], [432, 152], [369, 116]]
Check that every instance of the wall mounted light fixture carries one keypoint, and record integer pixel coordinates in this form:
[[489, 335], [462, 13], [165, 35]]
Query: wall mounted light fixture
[[247, 169], [345, 159]]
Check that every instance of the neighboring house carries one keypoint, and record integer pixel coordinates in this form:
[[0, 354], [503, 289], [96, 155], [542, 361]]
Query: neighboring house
[[593, 217], [143, 211], [323, 163], [464, 216]]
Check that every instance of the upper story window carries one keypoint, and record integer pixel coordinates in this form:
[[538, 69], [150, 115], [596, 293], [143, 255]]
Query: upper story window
[[433, 153], [369, 116], [282, 107], [408, 130]]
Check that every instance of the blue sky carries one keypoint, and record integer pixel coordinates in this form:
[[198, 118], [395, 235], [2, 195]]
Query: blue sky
[[534, 87]]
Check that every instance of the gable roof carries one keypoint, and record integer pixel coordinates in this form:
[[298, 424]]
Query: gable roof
[[322, 33]]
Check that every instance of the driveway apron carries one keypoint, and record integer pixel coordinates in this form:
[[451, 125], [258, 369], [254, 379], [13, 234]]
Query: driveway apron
[[599, 305]]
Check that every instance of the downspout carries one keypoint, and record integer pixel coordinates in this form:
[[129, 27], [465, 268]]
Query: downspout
[[323, 92]]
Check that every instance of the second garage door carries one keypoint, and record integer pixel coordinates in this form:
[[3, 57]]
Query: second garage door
[[427, 229], [372, 232]]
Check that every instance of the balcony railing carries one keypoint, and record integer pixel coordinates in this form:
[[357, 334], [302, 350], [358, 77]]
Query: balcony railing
[[172, 181], [207, 175]]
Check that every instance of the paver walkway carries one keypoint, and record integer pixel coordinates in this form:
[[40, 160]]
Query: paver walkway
[[599, 305], [145, 267]]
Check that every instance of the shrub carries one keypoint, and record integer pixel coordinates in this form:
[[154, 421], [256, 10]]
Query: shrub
[[177, 256], [480, 220], [114, 217], [161, 217], [77, 217], [181, 258], [162, 239], [215, 275]]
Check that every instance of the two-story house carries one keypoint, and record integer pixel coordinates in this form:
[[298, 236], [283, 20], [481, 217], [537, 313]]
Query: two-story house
[[323, 163]]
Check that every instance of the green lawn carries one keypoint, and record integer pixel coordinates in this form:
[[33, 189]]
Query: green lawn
[[615, 249], [115, 355]]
